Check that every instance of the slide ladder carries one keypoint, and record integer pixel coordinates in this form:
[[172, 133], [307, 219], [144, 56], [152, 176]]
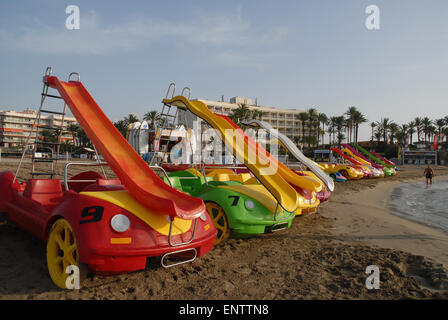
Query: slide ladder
[[138, 178], [51, 141]]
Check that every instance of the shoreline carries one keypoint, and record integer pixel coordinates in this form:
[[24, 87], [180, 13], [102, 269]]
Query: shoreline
[[368, 218]]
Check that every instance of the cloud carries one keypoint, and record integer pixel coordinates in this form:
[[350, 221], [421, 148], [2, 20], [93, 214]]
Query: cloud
[[97, 37]]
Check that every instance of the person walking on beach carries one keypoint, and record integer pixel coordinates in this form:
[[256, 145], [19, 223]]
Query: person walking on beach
[[429, 173]]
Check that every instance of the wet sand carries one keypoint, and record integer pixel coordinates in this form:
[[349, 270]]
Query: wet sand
[[322, 256]]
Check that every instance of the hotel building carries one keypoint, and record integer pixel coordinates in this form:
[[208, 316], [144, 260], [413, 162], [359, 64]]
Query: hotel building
[[286, 121], [15, 126]]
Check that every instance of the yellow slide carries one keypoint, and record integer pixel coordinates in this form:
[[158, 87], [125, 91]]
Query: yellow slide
[[347, 151], [262, 166]]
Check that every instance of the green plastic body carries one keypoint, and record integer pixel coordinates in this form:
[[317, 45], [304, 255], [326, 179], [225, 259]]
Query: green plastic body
[[243, 221]]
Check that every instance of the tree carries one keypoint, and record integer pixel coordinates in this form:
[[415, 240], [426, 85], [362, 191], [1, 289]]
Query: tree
[[426, 125], [303, 117], [411, 131], [358, 119], [73, 129], [131, 118], [373, 126], [121, 126], [383, 125], [312, 124], [340, 125], [418, 127], [393, 130], [322, 119], [153, 117], [331, 130], [240, 114], [439, 123], [257, 114], [350, 114]]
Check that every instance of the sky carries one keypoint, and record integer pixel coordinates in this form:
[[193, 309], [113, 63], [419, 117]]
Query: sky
[[287, 54]]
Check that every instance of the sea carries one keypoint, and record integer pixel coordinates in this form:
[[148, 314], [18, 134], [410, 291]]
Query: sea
[[421, 203]]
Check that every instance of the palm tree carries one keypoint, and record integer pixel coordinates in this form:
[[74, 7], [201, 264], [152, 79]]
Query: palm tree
[[73, 129], [322, 119], [303, 117], [312, 121], [373, 126], [402, 134], [418, 127], [440, 123], [393, 130], [378, 135], [445, 133], [153, 117], [331, 130], [426, 124], [383, 125], [358, 118], [340, 137], [340, 125], [411, 130], [131, 118], [121, 126], [240, 114], [350, 113], [257, 114]]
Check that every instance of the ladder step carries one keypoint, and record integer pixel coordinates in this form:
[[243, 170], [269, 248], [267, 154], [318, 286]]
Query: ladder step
[[43, 160], [168, 115], [53, 112], [43, 173], [51, 96]]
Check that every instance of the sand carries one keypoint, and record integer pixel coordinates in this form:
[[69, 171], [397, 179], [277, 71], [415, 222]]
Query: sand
[[322, 256]]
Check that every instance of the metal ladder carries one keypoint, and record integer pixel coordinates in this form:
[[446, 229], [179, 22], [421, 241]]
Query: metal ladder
[[168, 121], [39, 143]]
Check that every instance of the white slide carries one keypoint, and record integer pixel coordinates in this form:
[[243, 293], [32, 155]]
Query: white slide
[[294, 151]]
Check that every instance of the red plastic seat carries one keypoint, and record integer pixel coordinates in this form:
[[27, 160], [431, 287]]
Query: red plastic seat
[[47, 192], [78, 186]]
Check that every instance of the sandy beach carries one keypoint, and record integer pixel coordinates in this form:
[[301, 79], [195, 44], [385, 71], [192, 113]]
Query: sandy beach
[[322, 256]]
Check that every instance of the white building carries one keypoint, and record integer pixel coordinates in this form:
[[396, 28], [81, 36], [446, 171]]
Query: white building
[[15, 126], [285, 121]]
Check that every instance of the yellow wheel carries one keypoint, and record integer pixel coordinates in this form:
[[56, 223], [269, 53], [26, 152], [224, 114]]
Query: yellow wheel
[[219, 220], [62, 251]]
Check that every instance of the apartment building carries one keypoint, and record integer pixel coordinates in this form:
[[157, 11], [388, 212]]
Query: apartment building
[[286, 121], [15, 126]]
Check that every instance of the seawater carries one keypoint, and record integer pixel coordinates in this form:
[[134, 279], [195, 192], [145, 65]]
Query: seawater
[[422, 203]]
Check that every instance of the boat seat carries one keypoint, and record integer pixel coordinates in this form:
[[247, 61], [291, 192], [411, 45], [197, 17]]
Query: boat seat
[[47, 192]]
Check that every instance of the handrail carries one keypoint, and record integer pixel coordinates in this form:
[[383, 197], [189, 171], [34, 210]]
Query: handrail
[[97, 164], [189, 92], [172, 84], [164, 173], [74, 73]]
